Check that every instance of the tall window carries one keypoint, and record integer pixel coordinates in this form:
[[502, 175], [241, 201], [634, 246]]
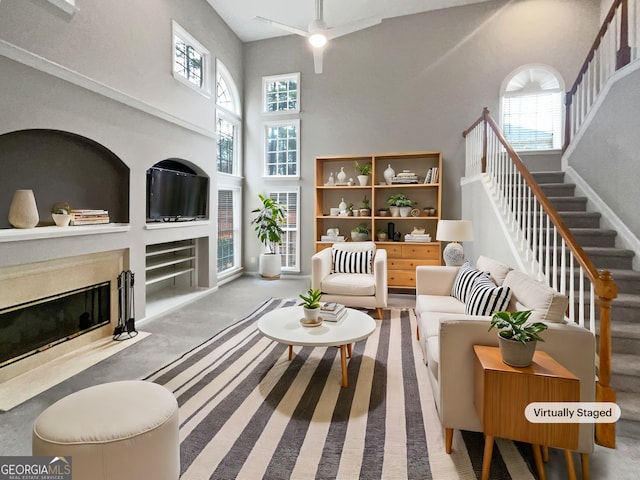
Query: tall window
[[290, 248], [532, 100], [190, 61], [282, 148], [228, 155]]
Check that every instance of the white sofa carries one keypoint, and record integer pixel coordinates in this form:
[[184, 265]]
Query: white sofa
[[447, 335], [360, 290]]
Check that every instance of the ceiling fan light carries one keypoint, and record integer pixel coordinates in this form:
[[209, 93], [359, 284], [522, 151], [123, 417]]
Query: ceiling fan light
[[318, 40]]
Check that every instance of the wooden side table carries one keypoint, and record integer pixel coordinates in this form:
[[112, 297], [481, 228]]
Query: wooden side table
[[502, 392]]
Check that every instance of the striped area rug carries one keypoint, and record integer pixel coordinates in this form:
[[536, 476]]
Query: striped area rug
[[247, 412]]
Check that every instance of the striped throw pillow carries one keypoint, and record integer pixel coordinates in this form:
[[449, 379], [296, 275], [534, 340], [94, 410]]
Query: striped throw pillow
[[486, 297], [352, 262], [463, 283]]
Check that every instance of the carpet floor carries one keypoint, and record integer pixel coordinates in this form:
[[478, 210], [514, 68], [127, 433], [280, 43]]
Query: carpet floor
[[247, 412]]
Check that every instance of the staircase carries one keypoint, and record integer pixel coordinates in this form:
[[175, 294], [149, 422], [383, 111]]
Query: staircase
[[599, 245]]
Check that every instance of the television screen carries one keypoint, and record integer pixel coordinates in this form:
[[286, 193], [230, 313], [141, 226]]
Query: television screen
[[175, 196]]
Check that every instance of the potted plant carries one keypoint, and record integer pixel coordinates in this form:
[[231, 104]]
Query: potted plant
[[311, 305], [268, 225], [360, 233], [517, 339], [399, 205], [365, 208], [61, 214], [383, 211], [363, 172], [382, 235]]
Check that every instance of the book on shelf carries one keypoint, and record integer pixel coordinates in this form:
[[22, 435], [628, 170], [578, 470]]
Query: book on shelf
[[432, 175], [332, 312], [332, 238], [89, 217]]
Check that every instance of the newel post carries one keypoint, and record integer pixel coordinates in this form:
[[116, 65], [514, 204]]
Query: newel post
[[485, 136], [607, 291], [624, 53]]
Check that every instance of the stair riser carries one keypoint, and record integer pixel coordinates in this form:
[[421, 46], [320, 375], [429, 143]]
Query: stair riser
[[549, 177], [564, 190], [600, 261], [625, 383], [562, 204], [607, 240], [619, 314], [623, 285], [625, 345], [581, 221]]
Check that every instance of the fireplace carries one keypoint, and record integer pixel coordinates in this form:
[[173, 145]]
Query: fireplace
[[35, 328]]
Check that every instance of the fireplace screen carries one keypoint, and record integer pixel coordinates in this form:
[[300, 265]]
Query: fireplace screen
[[34, 326]]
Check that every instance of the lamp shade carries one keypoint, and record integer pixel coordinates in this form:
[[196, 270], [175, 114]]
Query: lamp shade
[[454, 231]]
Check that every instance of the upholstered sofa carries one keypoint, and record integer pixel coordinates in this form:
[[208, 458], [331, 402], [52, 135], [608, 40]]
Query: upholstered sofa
[[352, 273], [448, 329]]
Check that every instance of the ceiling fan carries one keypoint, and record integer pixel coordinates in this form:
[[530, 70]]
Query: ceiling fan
[[318, 33]]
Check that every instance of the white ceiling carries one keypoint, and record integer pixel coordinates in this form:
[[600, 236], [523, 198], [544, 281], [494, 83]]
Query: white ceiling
[[239, 14]]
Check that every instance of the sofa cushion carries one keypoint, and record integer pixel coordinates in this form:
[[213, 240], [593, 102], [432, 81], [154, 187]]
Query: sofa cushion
[[349, 284], [545, 303], [497, 270], [464, 282], [439, 303], [486, 297], [433, 355], [352, 262]]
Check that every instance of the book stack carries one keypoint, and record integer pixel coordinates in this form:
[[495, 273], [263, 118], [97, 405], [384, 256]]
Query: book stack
[[89, 217], [405, 177], [332, 238], [332, 312], [417, 237], [432, 175]]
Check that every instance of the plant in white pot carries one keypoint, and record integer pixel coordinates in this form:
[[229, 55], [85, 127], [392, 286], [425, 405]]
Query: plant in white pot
[[360, 233], [399, 205], [311, 307], [61, 214], [268, 225], [517, 339], [363, 172]]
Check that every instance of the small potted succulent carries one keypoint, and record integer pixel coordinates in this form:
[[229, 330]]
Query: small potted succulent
[[517, 339], [382, 235], [311, 306], [365, 208], [360, 233], [363, 173], [61, 214]]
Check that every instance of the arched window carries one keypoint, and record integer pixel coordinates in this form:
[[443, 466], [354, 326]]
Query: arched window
[[228, 121], [531, 102]]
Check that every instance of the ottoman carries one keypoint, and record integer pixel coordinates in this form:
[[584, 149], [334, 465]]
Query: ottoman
[[125, 430]]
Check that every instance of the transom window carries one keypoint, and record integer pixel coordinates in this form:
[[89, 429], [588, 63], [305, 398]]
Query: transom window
[[190, 60], [281, 93], [532, 100], [282, 148]]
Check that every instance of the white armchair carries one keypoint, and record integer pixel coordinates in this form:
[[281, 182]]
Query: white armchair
[[361, 290]]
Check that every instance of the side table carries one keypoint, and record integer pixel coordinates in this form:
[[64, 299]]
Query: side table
[[502, 392]]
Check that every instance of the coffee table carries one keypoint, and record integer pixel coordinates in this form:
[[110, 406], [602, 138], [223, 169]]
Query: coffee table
[[283, 326]]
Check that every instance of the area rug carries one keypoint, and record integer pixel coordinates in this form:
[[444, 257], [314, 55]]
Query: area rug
[[247, 412]]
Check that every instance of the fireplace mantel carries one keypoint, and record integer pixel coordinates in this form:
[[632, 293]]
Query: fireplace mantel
[[38, 233]]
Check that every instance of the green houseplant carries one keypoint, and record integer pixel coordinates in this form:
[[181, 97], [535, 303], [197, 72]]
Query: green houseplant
[[61, 214], [397, 202], [360, 233], [517, 338], [311, 304], [268, 226], [363, 172]]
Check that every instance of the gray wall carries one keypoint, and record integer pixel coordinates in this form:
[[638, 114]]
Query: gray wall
[[411, 83]]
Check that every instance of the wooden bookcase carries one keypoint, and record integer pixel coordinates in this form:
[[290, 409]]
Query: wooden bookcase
[[403, 256]]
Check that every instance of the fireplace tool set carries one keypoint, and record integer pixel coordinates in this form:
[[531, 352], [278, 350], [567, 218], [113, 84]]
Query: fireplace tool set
[[126, 307]]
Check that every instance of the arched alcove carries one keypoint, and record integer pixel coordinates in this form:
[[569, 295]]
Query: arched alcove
[[62, 167]]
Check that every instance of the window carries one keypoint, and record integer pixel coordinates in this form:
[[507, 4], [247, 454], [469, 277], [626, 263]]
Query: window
[[282, 148], [532, 101], [281, 93], [227, 122], [228, 230], [290, 248], [190, 61]]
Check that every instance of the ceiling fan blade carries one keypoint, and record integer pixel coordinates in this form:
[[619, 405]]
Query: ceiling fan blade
[[283, 26], [351, 27], [317, 59]]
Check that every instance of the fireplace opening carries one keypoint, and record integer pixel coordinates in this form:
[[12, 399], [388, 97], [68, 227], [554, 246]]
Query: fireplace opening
[[37, 325]]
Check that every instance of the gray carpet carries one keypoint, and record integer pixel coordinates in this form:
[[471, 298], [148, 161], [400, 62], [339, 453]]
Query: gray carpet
[[246, 411]]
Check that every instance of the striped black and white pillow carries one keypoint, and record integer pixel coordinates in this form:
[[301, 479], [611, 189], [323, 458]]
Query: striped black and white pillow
[[352, 262], [463, 283], [486, 297]]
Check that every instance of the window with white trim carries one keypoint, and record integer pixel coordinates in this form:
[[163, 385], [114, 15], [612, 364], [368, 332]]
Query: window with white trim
[[190, 60], [282, 148], [281, 93], [229, 232], [228, 122], [532, 101], [290, 248]]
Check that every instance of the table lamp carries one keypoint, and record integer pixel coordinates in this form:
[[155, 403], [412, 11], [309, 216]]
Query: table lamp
[[454, 231]]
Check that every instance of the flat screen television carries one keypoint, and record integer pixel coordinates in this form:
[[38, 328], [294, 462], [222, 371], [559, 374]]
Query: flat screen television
[[174, 196]]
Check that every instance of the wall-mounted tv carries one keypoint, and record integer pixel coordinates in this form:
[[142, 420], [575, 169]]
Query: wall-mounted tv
[[175, 195]]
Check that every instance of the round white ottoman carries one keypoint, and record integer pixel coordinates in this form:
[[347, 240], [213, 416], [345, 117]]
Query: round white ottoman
[[124, 430]]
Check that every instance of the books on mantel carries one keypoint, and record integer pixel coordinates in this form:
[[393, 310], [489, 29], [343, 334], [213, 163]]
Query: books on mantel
[[89, 217], [332, 312]]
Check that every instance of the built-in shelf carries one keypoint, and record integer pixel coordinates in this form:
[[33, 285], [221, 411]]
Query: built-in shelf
[[161, 225], [165, 261], [38, 233]]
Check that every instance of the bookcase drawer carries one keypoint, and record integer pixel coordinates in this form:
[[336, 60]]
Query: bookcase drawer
[[401, 278], [421, 252], [408, 264]]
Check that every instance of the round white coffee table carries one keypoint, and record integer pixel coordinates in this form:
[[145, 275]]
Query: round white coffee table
[[283, 326]]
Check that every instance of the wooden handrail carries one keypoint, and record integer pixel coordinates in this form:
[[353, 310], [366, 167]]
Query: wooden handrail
[[603, 284]]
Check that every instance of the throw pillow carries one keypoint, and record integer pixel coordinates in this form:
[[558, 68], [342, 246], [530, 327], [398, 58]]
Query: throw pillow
[[486, 297], [352, 262], [463, 283]]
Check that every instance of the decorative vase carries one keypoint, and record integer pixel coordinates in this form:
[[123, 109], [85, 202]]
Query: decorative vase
[[365, 212], [61, 219], [342, 206], [382, 237], [515, 353], [388, 174], [383, 213], [341, 175], [331, 180], [23, 212], [395, 211], [363, 179]]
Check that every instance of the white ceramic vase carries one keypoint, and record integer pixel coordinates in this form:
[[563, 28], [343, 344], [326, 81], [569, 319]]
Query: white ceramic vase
[[23, 212], [363, 179], [388, 174], [342, 177], [61, 219]]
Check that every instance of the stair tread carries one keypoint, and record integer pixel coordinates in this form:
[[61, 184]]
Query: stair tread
[[579, 214], [627, 300], [629, 403], [623, 273], [624, 329], [593, 231], [625, 364], [612, 251]]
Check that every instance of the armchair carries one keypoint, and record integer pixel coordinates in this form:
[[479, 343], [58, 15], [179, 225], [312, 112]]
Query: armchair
[[361, 290]]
